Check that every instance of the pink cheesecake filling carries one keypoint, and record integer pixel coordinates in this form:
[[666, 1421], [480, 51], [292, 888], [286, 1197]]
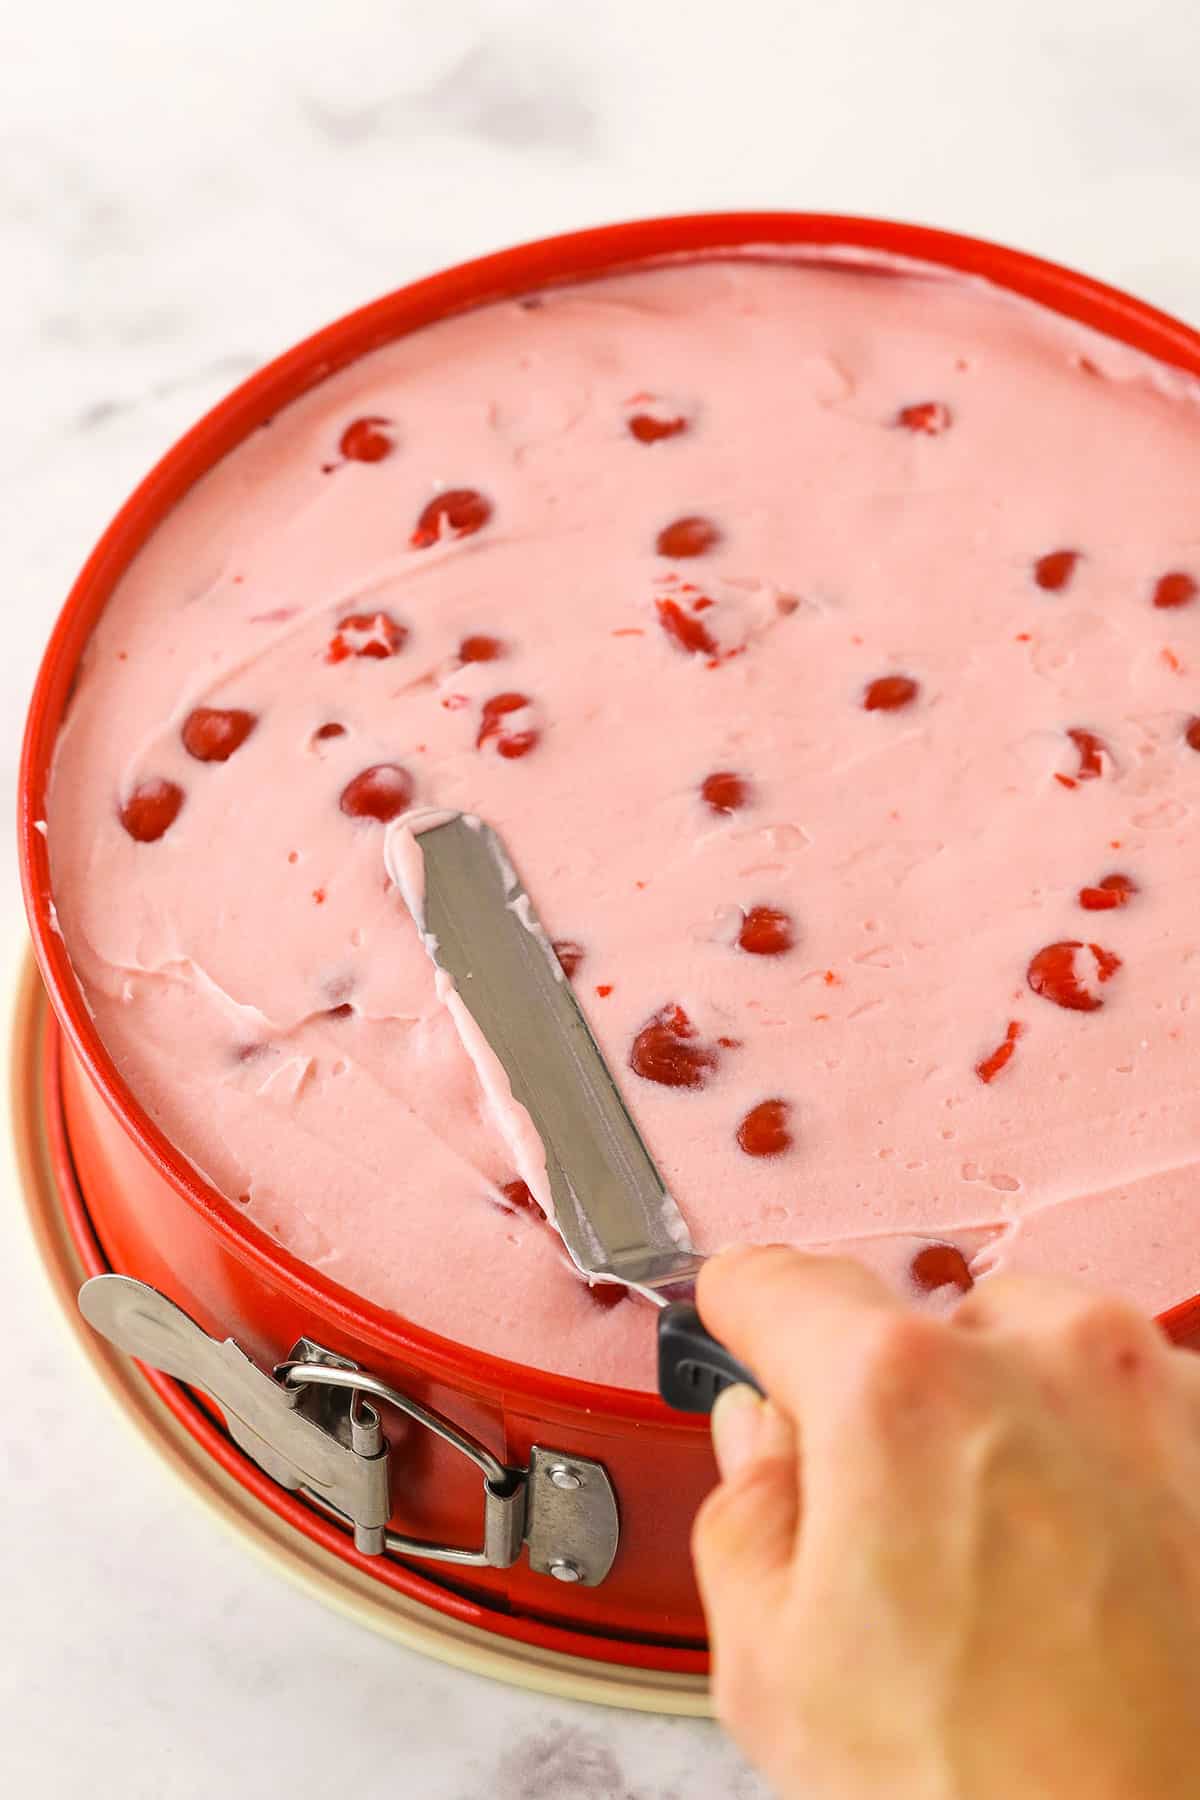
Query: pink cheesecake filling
[[824, 648]]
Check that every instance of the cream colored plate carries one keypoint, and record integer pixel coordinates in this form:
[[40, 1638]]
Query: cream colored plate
[[312, 1568]]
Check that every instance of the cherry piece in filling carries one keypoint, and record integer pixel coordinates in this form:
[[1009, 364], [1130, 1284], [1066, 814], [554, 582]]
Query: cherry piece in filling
[[212, 735], [511, 744], [1111, 892], [519, 1198], [929, 417], [649, 430], [1001, 1056], [372, 634], [1055, 974], [569, 954], [508, 743], [666, 1050], [888, 693], [367, 440], [1176, 588], [381, 792], [151, 809], [607, 1294], [1055, 569], [459, 512], [691, 634], [766, 931], [1192, 734], [1092, 751], [689, 536], [724, 791], [479, 648], [938, 1266], [764, 1130], [332, 730]]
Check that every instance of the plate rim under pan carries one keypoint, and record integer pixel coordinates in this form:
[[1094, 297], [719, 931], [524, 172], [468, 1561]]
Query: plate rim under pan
[[307, 1564]]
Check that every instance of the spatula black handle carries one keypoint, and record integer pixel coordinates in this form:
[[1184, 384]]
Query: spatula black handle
[[693, 1368]]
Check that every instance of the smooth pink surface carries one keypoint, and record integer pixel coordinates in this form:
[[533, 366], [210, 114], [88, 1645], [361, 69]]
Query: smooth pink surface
[[924, 855]]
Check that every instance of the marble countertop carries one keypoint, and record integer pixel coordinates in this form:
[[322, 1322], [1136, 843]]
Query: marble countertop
[[186, 189]]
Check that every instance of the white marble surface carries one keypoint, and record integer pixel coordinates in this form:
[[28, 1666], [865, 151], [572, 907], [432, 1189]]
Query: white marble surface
[[185, 189]]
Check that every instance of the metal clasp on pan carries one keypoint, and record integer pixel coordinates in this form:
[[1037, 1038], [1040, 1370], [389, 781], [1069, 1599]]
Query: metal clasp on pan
[[313, 1427]]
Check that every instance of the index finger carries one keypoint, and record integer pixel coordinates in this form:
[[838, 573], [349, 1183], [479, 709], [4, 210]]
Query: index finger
[[784, 1312]]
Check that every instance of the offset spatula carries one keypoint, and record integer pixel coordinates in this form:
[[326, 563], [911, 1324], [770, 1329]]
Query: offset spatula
[[615, 1215]]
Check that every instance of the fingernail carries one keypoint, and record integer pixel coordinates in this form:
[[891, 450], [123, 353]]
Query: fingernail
[[736, 1425]]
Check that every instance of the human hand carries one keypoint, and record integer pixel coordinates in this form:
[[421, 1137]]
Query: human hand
[[952, 1558]]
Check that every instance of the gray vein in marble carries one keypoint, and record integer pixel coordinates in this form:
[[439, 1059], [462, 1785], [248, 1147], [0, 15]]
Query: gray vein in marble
[[511, 95], [100, 412], [564, 1761]]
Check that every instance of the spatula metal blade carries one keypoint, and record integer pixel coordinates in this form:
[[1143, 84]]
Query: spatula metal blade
[[610, 1204]]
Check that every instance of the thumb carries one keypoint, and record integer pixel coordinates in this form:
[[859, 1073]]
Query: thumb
[[745, 1531]]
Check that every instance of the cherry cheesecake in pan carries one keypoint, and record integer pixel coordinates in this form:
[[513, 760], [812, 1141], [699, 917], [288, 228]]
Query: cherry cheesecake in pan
[[822, 636]]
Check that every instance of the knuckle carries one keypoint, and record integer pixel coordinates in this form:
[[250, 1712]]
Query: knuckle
[[1111, 1331], [905, 1345], [909, 1363], [725, 1521]]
